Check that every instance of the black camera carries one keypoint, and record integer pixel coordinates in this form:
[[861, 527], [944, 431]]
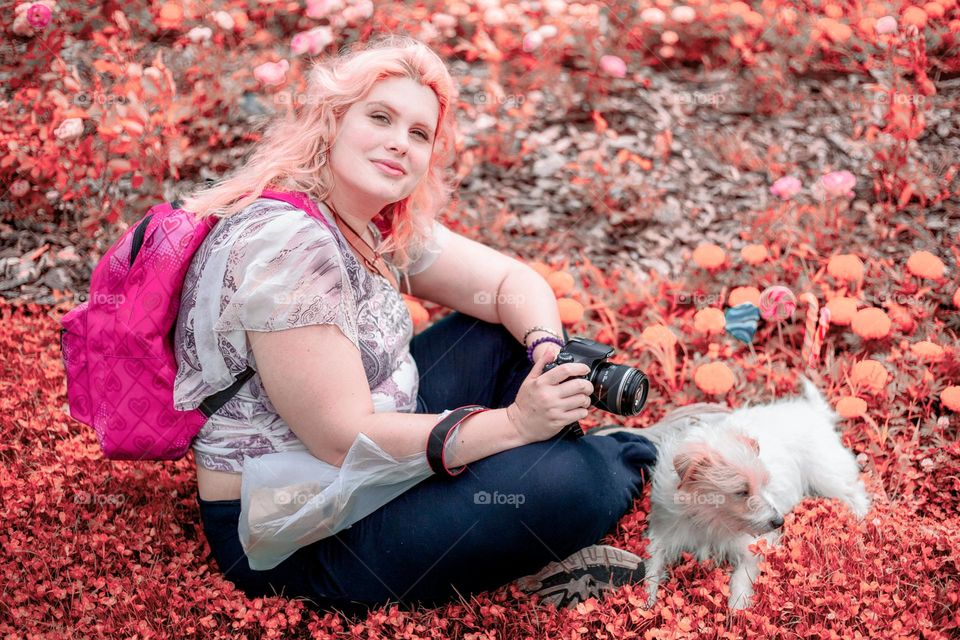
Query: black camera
[[617, 388]]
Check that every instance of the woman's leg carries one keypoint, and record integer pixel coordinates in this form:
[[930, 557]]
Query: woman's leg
[[464, 360], [507, 516]]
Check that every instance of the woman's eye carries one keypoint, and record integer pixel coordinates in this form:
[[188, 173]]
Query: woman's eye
[[743, 494], [379, 116]]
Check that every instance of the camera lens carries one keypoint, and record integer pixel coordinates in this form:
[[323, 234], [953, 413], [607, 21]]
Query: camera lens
[[619, 389]]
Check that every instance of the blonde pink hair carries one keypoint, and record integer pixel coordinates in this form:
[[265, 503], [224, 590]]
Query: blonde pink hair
[[293, 153]]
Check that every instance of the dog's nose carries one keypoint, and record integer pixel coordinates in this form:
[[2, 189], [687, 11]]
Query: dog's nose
[[777, 521]]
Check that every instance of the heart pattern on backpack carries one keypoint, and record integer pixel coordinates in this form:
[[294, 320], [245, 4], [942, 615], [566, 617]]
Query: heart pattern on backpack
[[133, 367], [112, 383], [138, 405], [169, 225]]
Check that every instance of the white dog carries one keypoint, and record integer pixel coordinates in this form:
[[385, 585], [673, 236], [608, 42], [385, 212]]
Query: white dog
[[723, 479]]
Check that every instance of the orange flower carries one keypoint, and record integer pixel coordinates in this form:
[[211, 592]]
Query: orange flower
[[950, 397], [709, 256], [900, 317], [832, 11], [870, 375], [926, 350], [571, 311], [541, 268], [871, 323], [171, 14], [709, 321], [933, 10], [851, 407], [846, 267], [714, 378], [836, 31], [753, 19], [561, 282], [754, 253], [744, 294], [842, 310], [659, 336], [924, 264], [915, 16]]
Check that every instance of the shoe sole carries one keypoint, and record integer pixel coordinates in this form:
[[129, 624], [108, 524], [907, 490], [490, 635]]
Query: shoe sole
[[585, 574]]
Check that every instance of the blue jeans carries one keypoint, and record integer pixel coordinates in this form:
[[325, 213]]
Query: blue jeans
[[507, 516]]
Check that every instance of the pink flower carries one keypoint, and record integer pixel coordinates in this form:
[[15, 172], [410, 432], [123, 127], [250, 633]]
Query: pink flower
[[320, 8], [532, 41], [838, 183], [272, 73], [494, 16], [653, 15], [786, 187], [683, 14], [39, 15], [69, 129], [200, 34], [364, 8], [224, 20], [886, 24], [314, 41], [19, 188], [444, 21], [30, 17], [547, 30], [614, 66]]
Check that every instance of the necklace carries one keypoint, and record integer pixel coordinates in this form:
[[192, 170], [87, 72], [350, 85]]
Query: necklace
[[371, 263]]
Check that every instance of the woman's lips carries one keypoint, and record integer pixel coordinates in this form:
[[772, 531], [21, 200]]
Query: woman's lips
[[390, 171]]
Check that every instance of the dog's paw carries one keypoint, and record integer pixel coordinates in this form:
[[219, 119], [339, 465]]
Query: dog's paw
[[859, 502]]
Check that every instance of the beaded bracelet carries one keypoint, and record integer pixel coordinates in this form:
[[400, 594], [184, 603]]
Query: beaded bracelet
[[556, 341], [532, 329]]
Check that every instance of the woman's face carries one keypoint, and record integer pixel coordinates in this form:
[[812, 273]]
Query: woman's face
[[393, 125]]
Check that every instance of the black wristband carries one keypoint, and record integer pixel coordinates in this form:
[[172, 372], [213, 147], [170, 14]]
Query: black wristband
[[441, 432]]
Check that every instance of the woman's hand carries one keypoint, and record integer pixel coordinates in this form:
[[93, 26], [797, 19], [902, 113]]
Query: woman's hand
[[552, 349], [547, 402]]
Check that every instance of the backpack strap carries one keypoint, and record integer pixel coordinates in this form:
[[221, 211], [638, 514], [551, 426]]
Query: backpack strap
[[298, 199], [213, 404]]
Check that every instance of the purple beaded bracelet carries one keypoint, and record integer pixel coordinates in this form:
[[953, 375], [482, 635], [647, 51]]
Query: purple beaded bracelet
[[556, 341]]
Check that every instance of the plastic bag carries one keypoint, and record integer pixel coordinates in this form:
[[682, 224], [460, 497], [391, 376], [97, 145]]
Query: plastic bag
[[291, 499]]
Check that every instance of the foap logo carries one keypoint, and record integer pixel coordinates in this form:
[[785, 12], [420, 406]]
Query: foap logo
[[486, 297], [513, 499], [85, 497], [697, 298], [114, 299], [697, 498]]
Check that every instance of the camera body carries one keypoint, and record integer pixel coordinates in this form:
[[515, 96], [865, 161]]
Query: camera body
[[617, 388]]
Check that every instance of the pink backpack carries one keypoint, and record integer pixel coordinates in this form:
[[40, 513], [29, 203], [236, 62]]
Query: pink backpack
[[118, 347]]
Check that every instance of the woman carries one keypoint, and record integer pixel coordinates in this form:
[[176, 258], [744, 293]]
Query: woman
[[313, 309]]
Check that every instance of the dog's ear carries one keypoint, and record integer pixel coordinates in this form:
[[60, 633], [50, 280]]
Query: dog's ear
[[750, 442], [689, 462]]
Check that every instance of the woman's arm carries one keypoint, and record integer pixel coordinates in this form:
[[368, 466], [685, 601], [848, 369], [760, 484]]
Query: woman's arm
[[525, 300], [315, 380]]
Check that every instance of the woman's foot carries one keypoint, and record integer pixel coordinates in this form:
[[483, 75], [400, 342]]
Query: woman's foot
[[586, 574]]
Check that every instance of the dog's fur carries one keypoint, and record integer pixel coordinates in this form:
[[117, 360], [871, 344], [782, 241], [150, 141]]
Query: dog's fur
[[724, 479]]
